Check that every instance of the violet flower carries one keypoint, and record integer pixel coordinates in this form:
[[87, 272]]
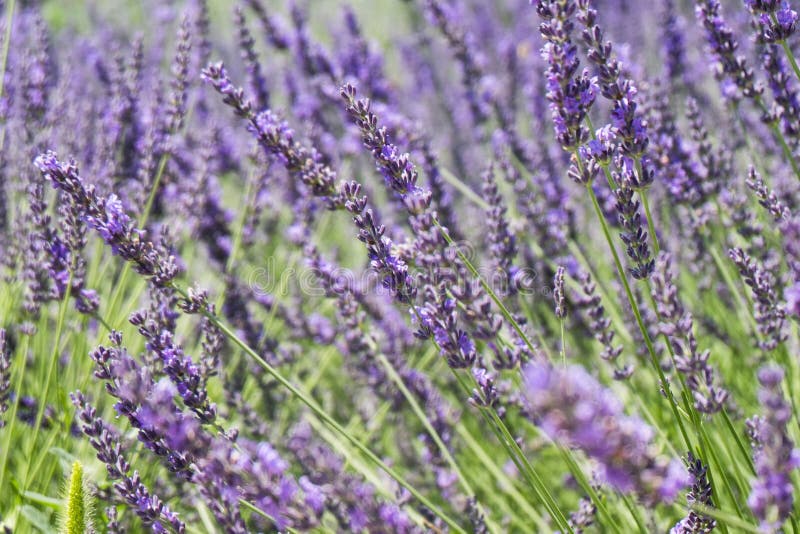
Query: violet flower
[[584, 517], [678, 326], [571, 94], [772, 495], [720, 38], [5, 375], [776, 19], [627, 121], [255, 78], [634, 236], [107, 217], [573, 409], [501, 240], [277, 138], [769, 314], [445, 19], [176, 111], [600, 326], [558, 294], [153, 512], [700, 492]]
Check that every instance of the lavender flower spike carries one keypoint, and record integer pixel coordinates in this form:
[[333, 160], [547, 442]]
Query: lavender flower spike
[[572, 408], [771, 498], [700, 492], [558, 294], [570, 93], [109, 219], [775, 18], [152, 511], [5, 375]]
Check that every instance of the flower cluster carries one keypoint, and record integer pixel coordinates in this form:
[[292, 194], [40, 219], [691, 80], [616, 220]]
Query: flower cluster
[[446, 266], [771, 498]]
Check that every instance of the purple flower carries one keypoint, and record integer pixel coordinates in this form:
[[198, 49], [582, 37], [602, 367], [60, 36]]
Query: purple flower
[[573, 409], [772, 494], [108, 218], [5, 375], [700, 493], [571, 95], [148, 507], [734, 74], [678, 327], [792, 296], [770, 315], [776, 19]]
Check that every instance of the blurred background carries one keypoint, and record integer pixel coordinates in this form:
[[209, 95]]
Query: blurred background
[[385, 18]]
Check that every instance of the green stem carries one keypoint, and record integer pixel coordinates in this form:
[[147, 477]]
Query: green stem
[[586, 486], [237, 236], [62, 312], [517, 456], [632, 509], [710, 452], [548, 499], [738, 440], [162, 165], [253, 508], [415, 407], [498, 474], [12, 418], [650, 224]]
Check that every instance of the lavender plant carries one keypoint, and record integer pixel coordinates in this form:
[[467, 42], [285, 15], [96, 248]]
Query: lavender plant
[[423, 266]]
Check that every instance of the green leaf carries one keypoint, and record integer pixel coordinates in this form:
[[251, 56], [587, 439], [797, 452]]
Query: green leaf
[[39, 519]]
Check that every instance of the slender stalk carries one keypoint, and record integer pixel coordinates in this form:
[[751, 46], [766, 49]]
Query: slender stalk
[[237, 236], [549, 501], [508, 484], [464, 189], [650, 224], [632, 509], [255, 509], [586, 486], [62, 312], [9, 429]]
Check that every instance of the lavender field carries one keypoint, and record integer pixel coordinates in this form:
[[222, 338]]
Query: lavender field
[[448, 266]]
